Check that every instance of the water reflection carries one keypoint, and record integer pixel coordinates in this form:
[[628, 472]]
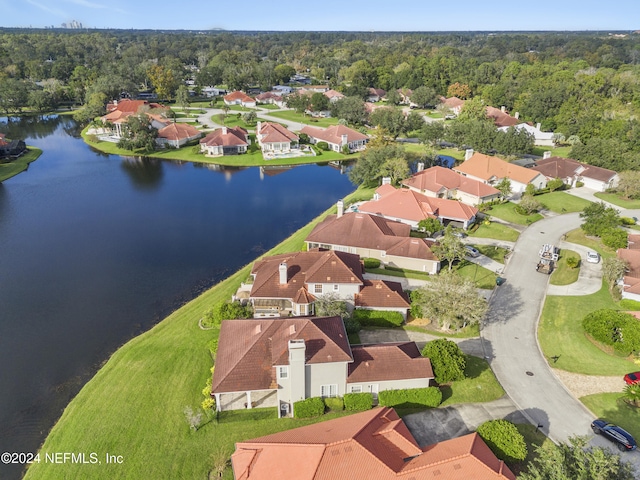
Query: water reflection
[[34, 126], [144, 172]]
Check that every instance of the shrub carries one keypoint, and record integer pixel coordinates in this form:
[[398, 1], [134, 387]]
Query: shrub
[[573, 262], [614, 238], [378, 318], [616, 329], [627, 221], [371, 263], [323, 146], [504, 440], [447, 360], [226, 311], [335, 404], [351, 325], [358, 402], [345, 150], [411, 398], [579, 184], [626, 304], [311, 407], [208, 403]]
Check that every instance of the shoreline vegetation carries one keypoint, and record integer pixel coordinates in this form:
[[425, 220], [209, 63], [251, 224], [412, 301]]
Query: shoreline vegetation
[[134, 405], [14, 167]]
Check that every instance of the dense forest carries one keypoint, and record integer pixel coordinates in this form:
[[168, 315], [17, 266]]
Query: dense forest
[[583, 85]]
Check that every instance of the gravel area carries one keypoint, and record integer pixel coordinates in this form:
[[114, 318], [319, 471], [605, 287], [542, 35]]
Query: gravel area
[[580, 385]]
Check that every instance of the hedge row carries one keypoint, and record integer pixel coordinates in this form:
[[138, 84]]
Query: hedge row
[[617, 329], [377, 318], [311, 407], [371, 263], [504, 440], [335, 404], [411, 398], [358, 402]]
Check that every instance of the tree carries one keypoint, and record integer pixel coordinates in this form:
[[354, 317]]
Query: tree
[[368, 168], [613, 269], [474, 109], [504, 440], [574, 461], [430, 225], [528, 205], [390, 119], [460, 90], [137, 133], [164, 81], [629, 184], [351, 109], [182, 97], [449, 248], [432, 133], [424, 96], [632, 394], [598, 218], [393, 97], [319, 102], [395, 168], [298, 102], [15, 94], [614, 238], [414, 122], [250, 118], [283, 73], [504, 187], [330, 305], [449, 300], [447, 360], [555, 184]]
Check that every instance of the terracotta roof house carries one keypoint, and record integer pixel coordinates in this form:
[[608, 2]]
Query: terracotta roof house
[[177, 134], [289, 283], [375, 444], [119, 111], [633, 241], [333, 95], [491, 170], [540, 138], [239, 98], [572, 171], [443, 182], [276, 362], [371, 236], [501, 118], [273, 138], [225, 141], [317, 88], [410, 207], [405, 95], [375, 94], [337, 136], [274, 98], [630, 282], [454, 104]]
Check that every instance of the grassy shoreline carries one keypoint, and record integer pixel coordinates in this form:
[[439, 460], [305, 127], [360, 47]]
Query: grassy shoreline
[[19, 165]]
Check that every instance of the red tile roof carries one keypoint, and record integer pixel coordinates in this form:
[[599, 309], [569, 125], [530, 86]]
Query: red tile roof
[[413, 206], [452, 102], [500, 118], [487, 167], [633, 241], [370, 231], [558, 167], [375, 444], [227, 137], [632, 257], [382, 294], [333, 94], [238, 95], [436, 179], [387, 362], [131, 106], [178, 131], [314, 266], [275, 133], [249, 349], [334, 133]]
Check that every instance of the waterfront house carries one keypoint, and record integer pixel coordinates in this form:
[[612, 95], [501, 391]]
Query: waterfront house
[[119, 111], [571, 171], [273, 138], [375, 444], [11, 149], [276, 362], [337, 136], [225, 141], [177, 134]]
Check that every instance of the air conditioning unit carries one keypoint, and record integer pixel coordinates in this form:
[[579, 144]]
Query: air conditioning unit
[[284, 410]]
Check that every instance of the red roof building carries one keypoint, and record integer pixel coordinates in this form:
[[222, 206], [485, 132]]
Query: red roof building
[[572, 171], [337, 136], [274, 138], [225, 141], [239, 98], [177, 134], [375, 444], [501, 118]]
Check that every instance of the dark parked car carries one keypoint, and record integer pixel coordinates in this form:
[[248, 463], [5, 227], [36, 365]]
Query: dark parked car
[[623, 439], [631, 378]]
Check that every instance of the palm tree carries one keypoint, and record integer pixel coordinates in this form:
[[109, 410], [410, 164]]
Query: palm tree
[[632, 394]]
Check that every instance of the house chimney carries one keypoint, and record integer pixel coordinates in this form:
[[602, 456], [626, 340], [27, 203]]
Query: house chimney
[[420, 166], [468, 153], [386, 180], [538, 125], [224, 130], [344, 140], [297, 353], [282, 269], [258, 126], [503, 109], [340, 206], [517, 115], [546, 154]]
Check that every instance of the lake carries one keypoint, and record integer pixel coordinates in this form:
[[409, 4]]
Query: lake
[[95, 249]]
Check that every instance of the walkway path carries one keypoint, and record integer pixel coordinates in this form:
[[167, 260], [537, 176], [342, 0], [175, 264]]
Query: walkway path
[[589, 279]]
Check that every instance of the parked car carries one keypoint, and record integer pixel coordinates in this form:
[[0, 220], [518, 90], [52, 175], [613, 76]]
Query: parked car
[[472, 252], [459, 234], [593, 257], [623, 439], [631, 378]]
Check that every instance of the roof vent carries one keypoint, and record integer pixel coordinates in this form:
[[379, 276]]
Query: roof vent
[[436, 473], [292, 329], [457, 466], [258, 329]]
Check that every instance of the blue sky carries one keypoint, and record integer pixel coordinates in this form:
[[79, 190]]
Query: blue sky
[[350, 15]]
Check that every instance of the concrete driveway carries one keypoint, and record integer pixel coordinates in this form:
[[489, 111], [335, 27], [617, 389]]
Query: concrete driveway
[[589, 279]]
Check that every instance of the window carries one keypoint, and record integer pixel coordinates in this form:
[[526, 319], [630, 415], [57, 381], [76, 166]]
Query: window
[[336, 287], [356, 388], [283, 372], [329, 391], [317, 288]]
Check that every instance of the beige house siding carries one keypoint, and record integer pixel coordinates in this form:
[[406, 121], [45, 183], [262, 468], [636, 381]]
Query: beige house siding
[[318, 374]]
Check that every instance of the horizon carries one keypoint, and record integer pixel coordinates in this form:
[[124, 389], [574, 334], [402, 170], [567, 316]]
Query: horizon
[[358, 16]]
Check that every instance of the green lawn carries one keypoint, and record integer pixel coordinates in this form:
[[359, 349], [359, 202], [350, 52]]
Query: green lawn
[[482, 277], [14, 167], [496, 231], [505, 211], [292, 116], [269, 106], [493, 252], [563, 275], [560, 334], [555, 151], [561, 202], [397, 272], [594, 243], [612, 408], [618, 200], [479, 386], [134, 406], [434, 114], [232, 120]]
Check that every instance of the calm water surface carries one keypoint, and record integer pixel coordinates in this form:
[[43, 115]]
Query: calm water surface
[[95, 249]]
